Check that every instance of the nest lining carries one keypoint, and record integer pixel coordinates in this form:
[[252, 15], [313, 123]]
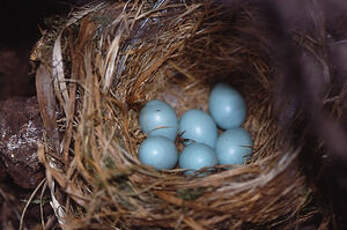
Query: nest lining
[[106, 62]]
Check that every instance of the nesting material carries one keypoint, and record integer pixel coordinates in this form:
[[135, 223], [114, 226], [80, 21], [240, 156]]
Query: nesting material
[[99, 69]]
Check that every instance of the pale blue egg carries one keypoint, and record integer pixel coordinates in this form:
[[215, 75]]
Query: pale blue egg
[[234, 146], [226, 106], [158, 152], [196, 125], [196, 156], [159, 119]]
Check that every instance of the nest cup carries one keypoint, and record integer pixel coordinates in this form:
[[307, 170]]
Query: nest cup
[[98, 69]]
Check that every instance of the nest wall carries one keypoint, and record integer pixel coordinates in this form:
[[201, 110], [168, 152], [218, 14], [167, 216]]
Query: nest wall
[[100, 67]]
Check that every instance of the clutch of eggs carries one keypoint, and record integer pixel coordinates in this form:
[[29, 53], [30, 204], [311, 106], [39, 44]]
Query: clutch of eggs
[[198, 129]]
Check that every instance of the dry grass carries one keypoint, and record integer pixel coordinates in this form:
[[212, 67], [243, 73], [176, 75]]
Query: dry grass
[[106, 62]]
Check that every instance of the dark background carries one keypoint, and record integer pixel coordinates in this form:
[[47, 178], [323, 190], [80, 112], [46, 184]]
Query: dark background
[[20, 23], [19, 26], [20, 19]]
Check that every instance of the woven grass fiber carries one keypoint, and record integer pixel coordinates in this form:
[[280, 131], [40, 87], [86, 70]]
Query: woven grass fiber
[[103, 63]]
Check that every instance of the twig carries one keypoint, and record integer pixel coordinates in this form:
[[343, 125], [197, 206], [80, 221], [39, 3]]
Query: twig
[[41, 205], [28, 203]]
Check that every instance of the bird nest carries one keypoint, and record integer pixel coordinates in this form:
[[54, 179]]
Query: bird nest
[[102, 64]]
